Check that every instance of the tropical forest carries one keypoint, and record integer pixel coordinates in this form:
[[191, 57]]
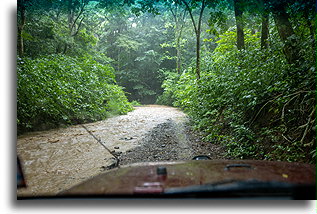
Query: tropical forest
[[243, 72]]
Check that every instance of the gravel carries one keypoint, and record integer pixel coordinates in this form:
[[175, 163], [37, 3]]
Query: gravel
[[171, 141]]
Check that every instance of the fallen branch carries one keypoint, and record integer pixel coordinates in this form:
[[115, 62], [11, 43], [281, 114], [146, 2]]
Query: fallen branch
[[283, 110], [263, 108], [307, 125], [288, 140], [295, 93], [304, 126]]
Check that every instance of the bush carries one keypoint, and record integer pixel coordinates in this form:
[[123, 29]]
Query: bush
[[242, 93], [58, 89], [170, 81]]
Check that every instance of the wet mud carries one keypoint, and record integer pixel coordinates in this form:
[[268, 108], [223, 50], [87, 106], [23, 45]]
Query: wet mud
[[58, 159]]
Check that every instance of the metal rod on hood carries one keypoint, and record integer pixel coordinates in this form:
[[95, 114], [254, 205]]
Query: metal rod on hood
[[99, 141]]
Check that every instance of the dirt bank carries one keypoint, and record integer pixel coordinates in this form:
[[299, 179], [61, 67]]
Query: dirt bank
[[57, 159]]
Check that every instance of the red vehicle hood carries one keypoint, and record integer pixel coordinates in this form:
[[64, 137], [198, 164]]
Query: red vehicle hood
[[156, 177]]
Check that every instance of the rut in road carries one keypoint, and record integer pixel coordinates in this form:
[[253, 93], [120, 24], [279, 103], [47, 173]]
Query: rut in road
[[58, 159], [165, 142], [171, 141]]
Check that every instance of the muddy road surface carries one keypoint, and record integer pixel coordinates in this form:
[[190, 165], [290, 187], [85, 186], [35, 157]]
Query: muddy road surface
[[58, 159]]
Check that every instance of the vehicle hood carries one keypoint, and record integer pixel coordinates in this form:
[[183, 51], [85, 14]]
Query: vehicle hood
[[148, 178]]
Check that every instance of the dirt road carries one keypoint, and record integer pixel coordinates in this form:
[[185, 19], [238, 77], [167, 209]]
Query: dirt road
[[57, 159]]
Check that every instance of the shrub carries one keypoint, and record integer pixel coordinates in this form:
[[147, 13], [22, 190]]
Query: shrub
[[241, 93], [59, 89]]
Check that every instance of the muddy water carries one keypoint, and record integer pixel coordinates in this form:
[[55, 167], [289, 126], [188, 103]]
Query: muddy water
[[57, 159]]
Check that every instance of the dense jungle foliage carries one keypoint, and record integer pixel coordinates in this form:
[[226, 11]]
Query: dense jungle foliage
[[58, 89], [243, 70]]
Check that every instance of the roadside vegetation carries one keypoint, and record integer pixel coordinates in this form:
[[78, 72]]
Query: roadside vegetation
[[58, 90], [243, 70], [257, 99]]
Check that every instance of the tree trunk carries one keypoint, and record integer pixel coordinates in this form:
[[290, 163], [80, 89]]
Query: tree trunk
[[70, 15], [178, 60], [21, 24], [197, 32], [179, 48], [265, 31], [239, 22], [179, 20], [198, 55], [286, 33]]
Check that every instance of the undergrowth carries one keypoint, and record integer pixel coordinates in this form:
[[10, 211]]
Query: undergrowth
[[252, 101], [59, 89]]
